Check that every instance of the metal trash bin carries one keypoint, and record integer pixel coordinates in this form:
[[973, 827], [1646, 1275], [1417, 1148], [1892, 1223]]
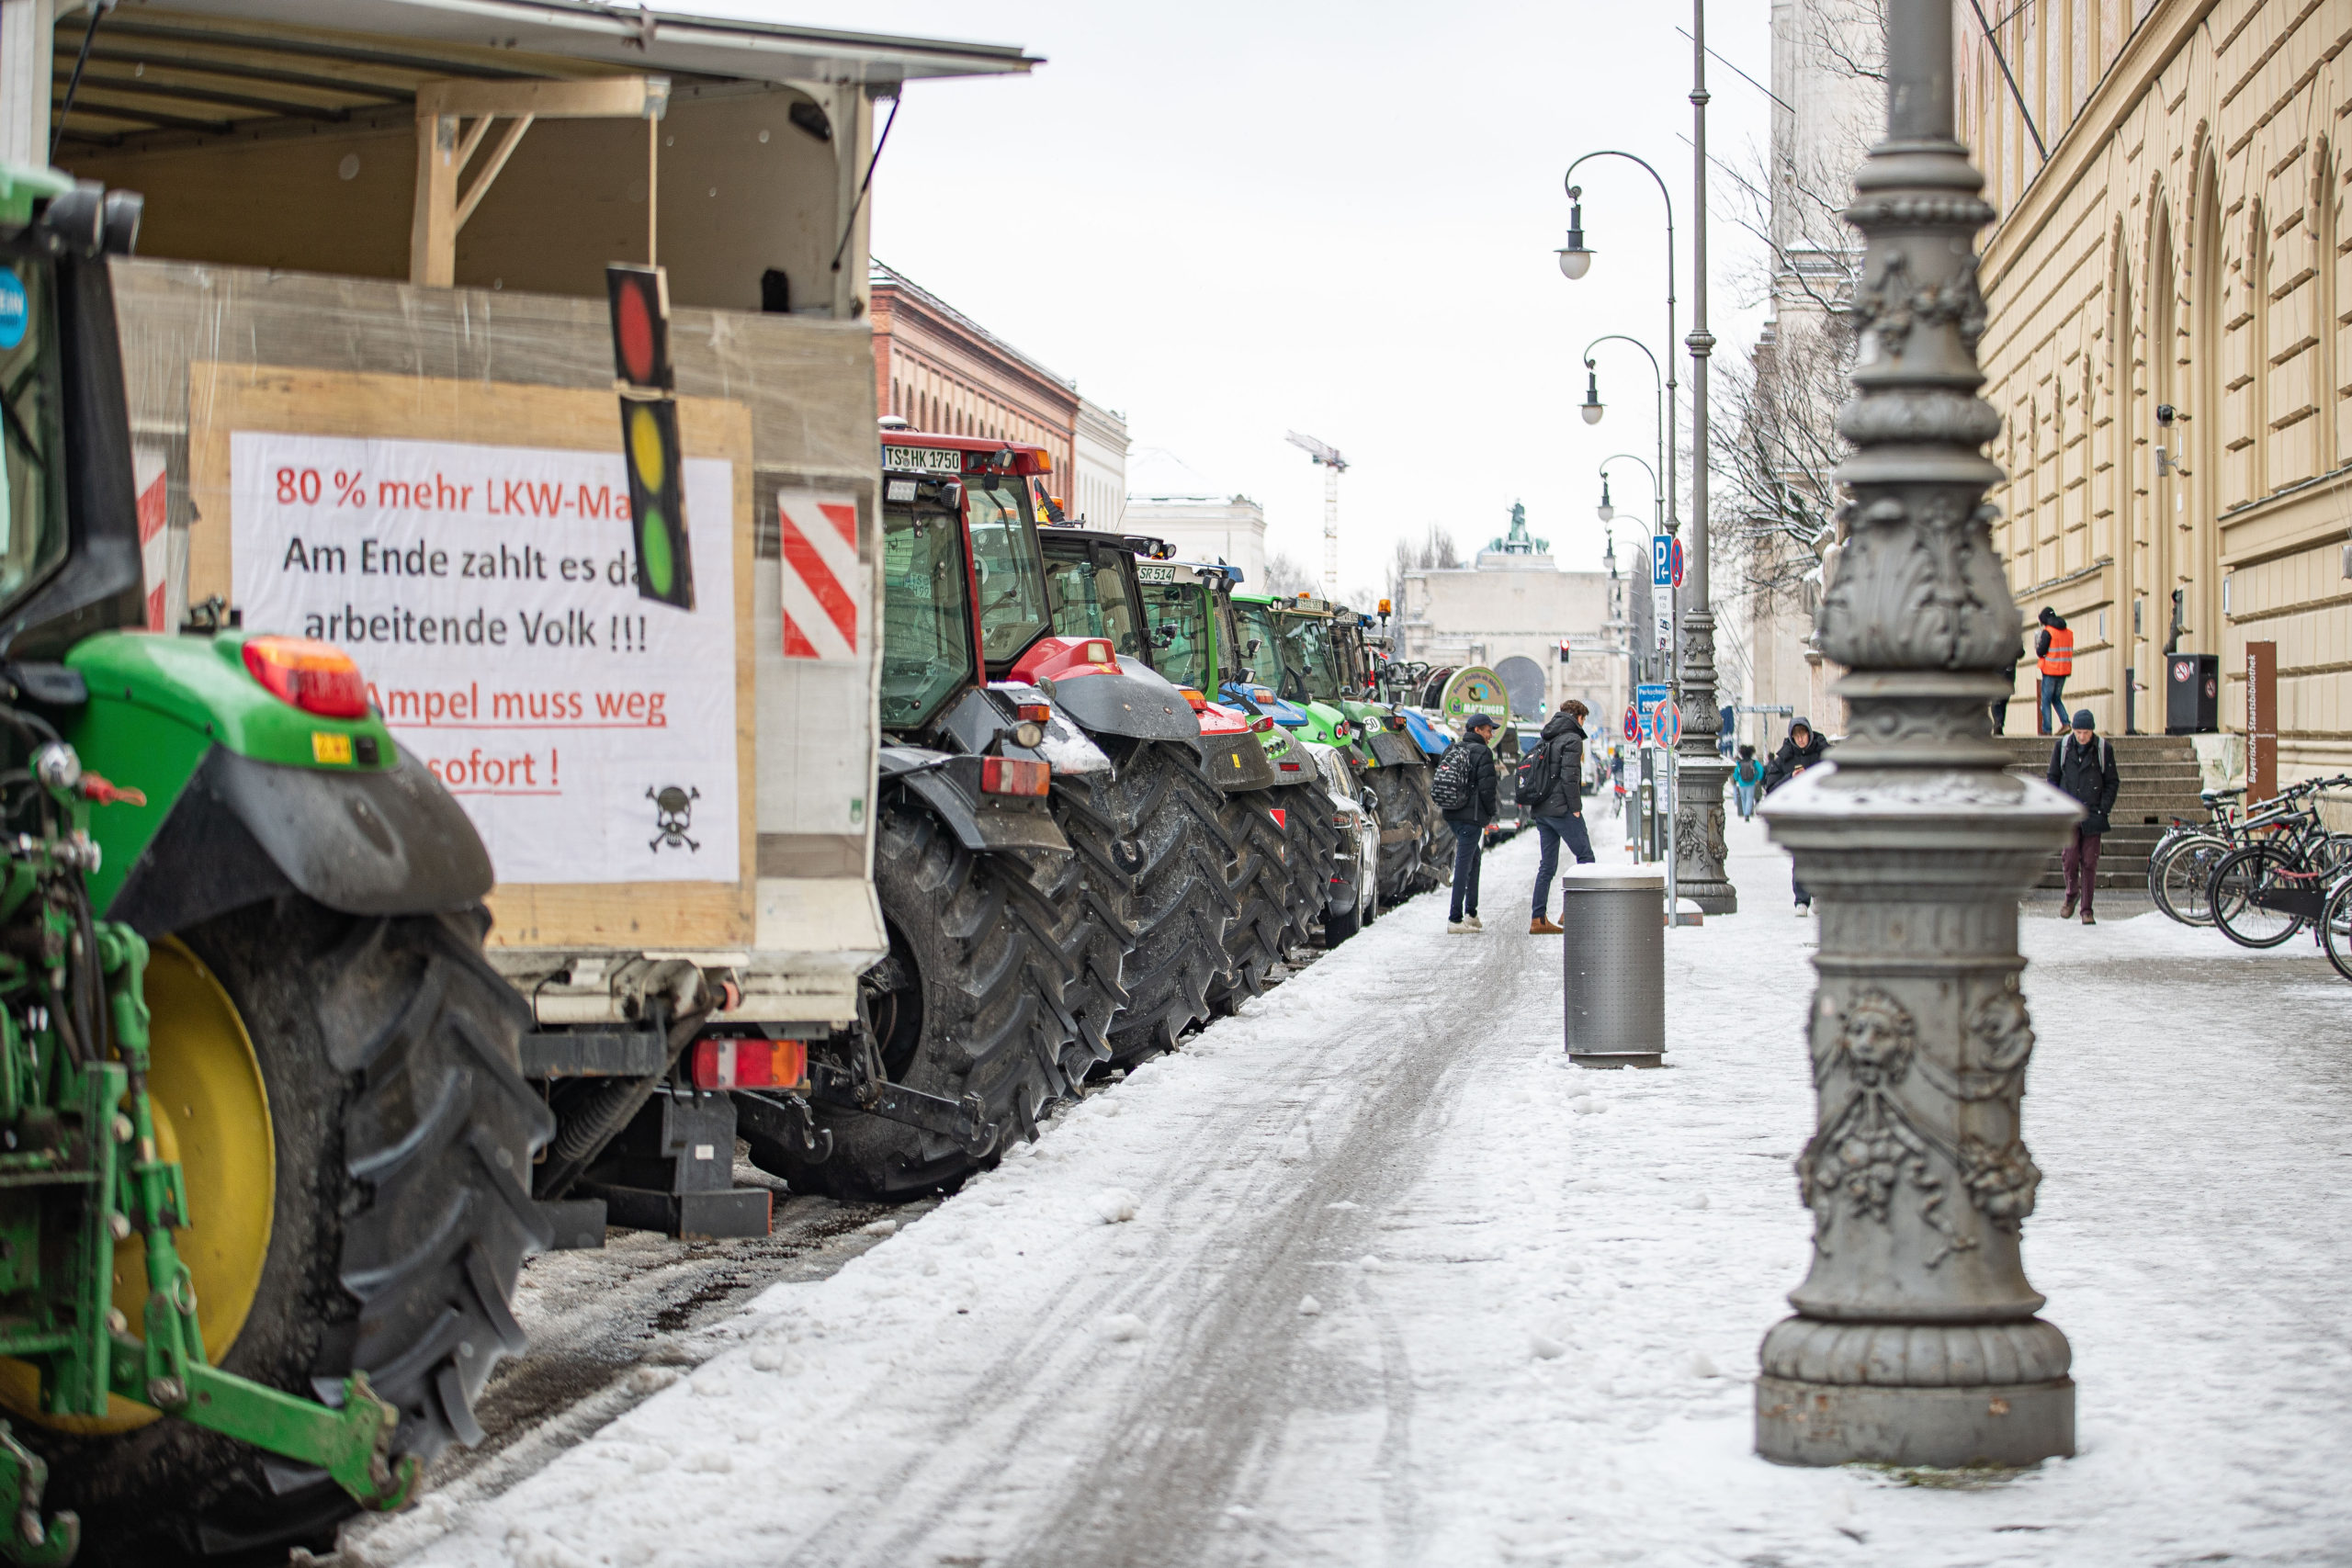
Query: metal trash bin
[[1613, 964]]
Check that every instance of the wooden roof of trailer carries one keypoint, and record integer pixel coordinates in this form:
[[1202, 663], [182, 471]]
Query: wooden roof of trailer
[[157, 75]]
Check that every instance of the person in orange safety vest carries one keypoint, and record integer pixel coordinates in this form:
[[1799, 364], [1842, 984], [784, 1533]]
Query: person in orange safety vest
[[2055, 647]]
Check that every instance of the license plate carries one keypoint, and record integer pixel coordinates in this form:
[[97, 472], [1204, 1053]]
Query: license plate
[[932, 459], [1144, 573]]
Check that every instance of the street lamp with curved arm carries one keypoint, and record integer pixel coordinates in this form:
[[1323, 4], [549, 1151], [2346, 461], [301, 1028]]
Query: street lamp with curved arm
[[1609, 512], [1592, 390], [1575, 259]]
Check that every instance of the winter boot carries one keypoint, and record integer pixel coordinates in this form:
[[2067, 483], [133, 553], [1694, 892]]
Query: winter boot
[[1541, 926], [2066, 909], [2087, 918]]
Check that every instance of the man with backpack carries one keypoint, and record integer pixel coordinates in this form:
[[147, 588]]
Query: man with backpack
[[1465, 789], [1748, 781], [1550, 786], [2082, 765], [1802, 749]]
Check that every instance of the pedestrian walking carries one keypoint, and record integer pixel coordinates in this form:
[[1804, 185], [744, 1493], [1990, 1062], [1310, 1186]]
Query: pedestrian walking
[[1801, 751], [1747, 781], [2082, 765], [2001, 708], [1552, 780], [1467, 790], [2055, 646]]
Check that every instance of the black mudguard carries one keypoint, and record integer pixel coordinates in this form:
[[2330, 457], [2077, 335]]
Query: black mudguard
[[388, 842], [1394, 750], [1239, 764], [1128, 704], [950, 786]]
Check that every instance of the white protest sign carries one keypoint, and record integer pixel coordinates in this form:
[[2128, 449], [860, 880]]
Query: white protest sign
[[489, 595]]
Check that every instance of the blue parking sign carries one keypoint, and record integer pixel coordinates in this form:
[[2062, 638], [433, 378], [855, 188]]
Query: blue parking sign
[[1661, 561]]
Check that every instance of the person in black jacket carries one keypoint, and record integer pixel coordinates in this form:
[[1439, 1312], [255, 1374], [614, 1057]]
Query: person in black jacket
[[1560, 814], [1801, 751], [2082, 765], [1469, 821]]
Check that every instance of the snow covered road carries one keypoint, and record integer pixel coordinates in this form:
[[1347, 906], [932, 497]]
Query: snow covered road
[[1370, 1275]]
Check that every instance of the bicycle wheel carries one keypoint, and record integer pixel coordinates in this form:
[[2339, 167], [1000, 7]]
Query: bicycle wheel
[[2335, 927], [2179, 874], [2242, 879]]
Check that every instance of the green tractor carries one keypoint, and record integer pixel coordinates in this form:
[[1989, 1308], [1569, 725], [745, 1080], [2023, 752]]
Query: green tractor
[[265, 1146], [1196, 642], [1323, 671]]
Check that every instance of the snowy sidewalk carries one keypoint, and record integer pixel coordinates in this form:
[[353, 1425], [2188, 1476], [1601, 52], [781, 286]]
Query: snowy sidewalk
[[1370, 1275]]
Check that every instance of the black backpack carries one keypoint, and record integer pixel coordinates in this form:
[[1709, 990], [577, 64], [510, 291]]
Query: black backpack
[[1450, 784], [1538, 772]]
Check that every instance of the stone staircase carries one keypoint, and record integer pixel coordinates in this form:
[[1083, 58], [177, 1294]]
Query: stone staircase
[[2160, 781]]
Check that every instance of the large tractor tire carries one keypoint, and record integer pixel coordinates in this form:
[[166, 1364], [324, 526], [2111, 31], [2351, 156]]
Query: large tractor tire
[[1409, 822], [342, 1095], [1149, 837], [969, 1001], [1093, 937], [1259, 878], [1310, 853]]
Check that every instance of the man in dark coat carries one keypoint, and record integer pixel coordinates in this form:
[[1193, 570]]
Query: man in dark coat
[[1469, 821], [2082, 765], [1801, 751], [1560, 814]]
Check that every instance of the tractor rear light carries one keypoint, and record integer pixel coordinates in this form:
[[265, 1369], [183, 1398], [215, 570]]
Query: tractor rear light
[[1397, 722], [1288, 767], [1261, 724], [1340, 730], [749, 1063], [316, 677], [1198, 702], [1033, 713], [1095, 650], [1010, 776]]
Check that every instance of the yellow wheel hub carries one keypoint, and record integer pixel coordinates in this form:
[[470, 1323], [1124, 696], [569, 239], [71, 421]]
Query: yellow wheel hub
[[212, 1115]]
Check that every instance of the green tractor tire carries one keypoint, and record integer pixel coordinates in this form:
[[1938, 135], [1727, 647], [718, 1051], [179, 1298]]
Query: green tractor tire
[[343, 1095], [968, 1002]]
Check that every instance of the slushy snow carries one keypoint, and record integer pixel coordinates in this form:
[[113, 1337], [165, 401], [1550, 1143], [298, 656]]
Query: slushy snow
[[1370, 1274]]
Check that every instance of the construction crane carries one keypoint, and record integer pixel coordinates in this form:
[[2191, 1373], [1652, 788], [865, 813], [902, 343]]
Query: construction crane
[[1333, 464]]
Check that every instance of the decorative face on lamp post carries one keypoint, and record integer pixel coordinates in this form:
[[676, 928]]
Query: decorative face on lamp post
[[1914, 1340]]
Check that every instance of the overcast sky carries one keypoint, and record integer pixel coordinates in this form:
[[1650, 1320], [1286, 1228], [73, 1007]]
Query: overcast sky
[[1232, 219]]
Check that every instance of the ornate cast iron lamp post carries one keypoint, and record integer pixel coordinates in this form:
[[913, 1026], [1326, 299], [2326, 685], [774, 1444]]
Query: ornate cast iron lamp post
[[1915, 1339]]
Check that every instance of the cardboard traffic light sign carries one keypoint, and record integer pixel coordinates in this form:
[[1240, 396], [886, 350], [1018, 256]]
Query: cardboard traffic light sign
[[644, 377], [657, 501]]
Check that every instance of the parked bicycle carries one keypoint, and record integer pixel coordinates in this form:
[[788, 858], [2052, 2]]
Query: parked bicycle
[[2180, 867], [2282, 874]]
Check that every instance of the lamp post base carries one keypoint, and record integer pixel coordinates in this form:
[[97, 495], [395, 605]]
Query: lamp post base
[[2003, 1425], [1698, 847]]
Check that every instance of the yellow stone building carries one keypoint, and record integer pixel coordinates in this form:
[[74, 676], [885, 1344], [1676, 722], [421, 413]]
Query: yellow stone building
[[2182, 244]]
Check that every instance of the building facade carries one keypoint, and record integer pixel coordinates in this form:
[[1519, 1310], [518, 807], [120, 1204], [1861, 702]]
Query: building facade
[[1167, 500], [2165, 296], [940, 370], [1097, 495], [1515, 600]]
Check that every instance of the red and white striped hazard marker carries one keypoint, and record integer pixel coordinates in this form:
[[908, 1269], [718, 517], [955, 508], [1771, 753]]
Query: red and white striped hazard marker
[[822, 586], [149, 476]]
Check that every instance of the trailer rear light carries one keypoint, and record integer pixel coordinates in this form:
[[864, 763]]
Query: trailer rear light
[[750, 1064], [1010, 776], [1198, 702], [316, 677], [1033, 713]]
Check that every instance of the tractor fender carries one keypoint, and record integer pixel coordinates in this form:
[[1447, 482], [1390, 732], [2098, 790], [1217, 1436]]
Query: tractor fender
[[367, 842], [1127, 703], [1237, 762], [1393, 751], [950, 788]]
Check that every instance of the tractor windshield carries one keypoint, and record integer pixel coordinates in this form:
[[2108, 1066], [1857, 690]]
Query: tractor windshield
[[1005, 557], [1310, 650], [1179, 631], [1263, 653], [1073, 599], [926, 630], [32, 495]]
